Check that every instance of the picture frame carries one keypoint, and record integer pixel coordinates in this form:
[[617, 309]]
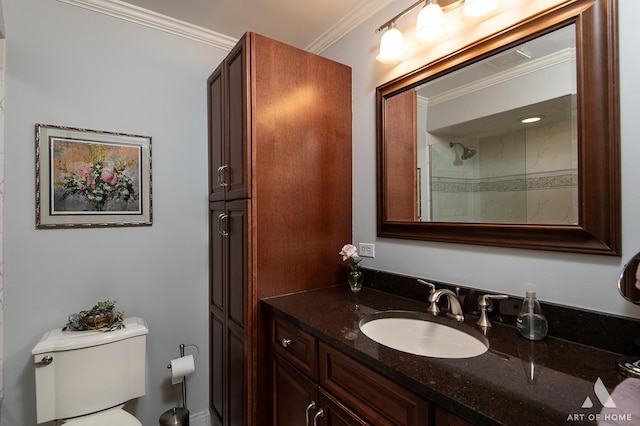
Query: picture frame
[[92, 178]]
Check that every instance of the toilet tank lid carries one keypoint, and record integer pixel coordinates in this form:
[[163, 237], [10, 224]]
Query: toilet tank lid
[[59, 340]]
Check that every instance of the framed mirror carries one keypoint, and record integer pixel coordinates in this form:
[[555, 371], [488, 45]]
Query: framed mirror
[[455, 162]]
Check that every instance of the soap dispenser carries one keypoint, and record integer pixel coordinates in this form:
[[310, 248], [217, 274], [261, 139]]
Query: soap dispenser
[[531, 323]]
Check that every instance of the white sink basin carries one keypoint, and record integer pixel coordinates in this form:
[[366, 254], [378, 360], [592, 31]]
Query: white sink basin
[[420, 334]]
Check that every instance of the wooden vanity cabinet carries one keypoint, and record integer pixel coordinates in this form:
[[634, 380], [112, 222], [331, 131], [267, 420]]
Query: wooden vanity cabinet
[[313, 381], [447, 418], [279, 204]]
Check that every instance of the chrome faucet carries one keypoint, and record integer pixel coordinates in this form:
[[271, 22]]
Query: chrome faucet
[[455, 310], [483, 303], [433, 308]]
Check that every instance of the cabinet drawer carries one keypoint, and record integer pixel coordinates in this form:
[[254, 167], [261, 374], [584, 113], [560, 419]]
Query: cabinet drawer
[[295, 345], [374, 397]]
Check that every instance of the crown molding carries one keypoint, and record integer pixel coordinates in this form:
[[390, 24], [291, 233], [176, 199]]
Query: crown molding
[[121, 10], [565, 55], [147, 18], [362, 12]]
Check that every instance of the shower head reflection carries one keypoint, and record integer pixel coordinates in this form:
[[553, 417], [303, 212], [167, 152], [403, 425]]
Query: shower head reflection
[[466, 152]]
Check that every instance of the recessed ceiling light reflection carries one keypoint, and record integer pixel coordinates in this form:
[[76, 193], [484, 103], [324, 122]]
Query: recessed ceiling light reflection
[[532, 119]]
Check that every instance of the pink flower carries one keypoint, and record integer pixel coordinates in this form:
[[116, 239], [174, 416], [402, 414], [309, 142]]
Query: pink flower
[[90, 182], [349, 250], [109, 176], [84, 171]]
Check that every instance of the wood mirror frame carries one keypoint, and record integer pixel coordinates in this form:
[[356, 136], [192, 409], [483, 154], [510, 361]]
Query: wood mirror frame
[[598, 228]]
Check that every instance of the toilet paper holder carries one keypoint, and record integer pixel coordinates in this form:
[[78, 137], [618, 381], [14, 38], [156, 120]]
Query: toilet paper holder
[[184, 384]]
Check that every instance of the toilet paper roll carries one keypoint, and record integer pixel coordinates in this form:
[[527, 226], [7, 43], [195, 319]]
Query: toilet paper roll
[[181, 367]]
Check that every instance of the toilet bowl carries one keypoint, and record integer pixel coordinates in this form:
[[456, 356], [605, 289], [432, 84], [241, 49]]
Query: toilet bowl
[[84, 378]]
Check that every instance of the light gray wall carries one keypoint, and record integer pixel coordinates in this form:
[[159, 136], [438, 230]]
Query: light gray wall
[[73, 67], [70, 66], [585, 281]]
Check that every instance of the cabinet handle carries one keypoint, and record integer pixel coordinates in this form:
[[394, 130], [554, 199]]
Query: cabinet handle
[[286, 342], [311, 405], [222, 224], [222, 181], [320, 413]]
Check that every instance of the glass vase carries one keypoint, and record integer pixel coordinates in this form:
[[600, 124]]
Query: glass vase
[[355, 281]]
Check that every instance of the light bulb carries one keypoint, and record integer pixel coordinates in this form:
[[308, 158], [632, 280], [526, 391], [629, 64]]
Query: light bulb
[[431, 24], [392, 48]]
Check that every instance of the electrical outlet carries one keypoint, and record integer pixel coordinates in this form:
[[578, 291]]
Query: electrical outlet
[[367, 250]]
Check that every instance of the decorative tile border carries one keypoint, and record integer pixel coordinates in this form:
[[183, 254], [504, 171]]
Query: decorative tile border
[[523, 182]]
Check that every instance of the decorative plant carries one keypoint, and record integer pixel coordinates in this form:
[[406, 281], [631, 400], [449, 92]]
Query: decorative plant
[[350, 255], [102, 316]]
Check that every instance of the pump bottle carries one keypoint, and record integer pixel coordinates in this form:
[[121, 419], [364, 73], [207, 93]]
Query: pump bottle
[[531, 322]]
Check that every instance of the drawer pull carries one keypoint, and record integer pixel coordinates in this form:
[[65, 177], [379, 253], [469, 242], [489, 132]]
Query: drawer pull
[[311, 405], [320, 413], [286, 342]]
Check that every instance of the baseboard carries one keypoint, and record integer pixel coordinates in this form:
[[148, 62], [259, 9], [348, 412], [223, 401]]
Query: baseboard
[[203, 418]]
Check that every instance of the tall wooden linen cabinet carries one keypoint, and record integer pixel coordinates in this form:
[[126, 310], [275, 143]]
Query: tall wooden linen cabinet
[[279, 204]]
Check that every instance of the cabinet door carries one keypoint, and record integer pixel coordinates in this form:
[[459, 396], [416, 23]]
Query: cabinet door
[[237, 174], [402, 160], [217, 306], [294, 395], [334, 413], [229, 242], [229, 127], [298, 401], [238, 378], [216, 106]]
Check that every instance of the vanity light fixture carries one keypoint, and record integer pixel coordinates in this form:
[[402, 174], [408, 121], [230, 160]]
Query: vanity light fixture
[[431, 24], [392, 48]]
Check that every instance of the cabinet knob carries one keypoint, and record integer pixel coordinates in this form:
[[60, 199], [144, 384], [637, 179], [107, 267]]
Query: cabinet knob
[[311, 405], [286, 342], [320, 413]]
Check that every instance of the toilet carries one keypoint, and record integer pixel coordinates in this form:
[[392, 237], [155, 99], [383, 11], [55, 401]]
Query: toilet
[[85, 377]]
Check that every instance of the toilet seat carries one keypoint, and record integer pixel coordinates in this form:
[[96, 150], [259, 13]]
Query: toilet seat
[[114, 416]]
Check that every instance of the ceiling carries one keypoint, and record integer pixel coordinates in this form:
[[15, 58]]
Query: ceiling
[[308, 24]]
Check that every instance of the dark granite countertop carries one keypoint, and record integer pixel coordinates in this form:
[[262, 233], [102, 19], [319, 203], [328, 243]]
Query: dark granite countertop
[[516, 382]]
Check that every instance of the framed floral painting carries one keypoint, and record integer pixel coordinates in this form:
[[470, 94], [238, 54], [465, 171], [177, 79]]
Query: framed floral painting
[[91, 178]]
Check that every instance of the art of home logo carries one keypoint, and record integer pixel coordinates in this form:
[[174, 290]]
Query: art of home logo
[[606, 401]]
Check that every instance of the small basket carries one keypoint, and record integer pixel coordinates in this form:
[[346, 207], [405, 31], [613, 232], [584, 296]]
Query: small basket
[[95, 322], [103, 316]]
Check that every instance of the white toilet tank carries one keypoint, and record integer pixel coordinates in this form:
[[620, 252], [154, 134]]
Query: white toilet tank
[[89, 370]]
